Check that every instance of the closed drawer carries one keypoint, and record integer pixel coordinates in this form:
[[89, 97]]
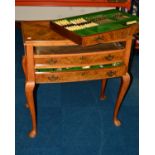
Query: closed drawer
[[71, 76], [83, 59]]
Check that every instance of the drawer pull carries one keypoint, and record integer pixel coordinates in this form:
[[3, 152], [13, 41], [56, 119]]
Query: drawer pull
[[83, 74], [53, 78], [83, 58], [52, 61], [99, 38], [109, 57], [111, 73]]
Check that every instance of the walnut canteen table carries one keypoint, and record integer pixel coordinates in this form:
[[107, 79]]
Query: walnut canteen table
[[51, 58]]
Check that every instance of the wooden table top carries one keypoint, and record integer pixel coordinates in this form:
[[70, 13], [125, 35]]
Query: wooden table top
[[40, 33]]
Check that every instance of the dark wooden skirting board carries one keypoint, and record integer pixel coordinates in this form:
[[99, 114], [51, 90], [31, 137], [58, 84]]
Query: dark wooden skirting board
[[90, 3]]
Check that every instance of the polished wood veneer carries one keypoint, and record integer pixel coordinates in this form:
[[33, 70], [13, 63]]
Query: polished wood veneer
[[45, 48]]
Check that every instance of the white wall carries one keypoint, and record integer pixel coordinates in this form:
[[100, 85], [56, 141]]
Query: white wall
[[48, 13]]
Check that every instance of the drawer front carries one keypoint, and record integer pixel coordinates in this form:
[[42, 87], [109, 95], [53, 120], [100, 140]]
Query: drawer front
[[71, 76], [112, 36], [79, 59]]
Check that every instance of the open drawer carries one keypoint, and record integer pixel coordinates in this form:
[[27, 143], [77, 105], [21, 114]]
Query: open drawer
[[99, 27]]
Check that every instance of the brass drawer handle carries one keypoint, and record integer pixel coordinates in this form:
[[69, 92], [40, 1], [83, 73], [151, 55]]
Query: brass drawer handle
[[83, 74], [109, 57], [83, 58], [52, 61], [53, 78], [99, 38], [111, 73]]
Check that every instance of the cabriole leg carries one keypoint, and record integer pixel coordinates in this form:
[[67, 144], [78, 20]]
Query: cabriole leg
[[102, 93], [29, 88], [125, 81], [25, 72]]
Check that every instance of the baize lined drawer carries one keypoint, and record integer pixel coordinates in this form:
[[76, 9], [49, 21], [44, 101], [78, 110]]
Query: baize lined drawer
[[99, 27], [71, 76]]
